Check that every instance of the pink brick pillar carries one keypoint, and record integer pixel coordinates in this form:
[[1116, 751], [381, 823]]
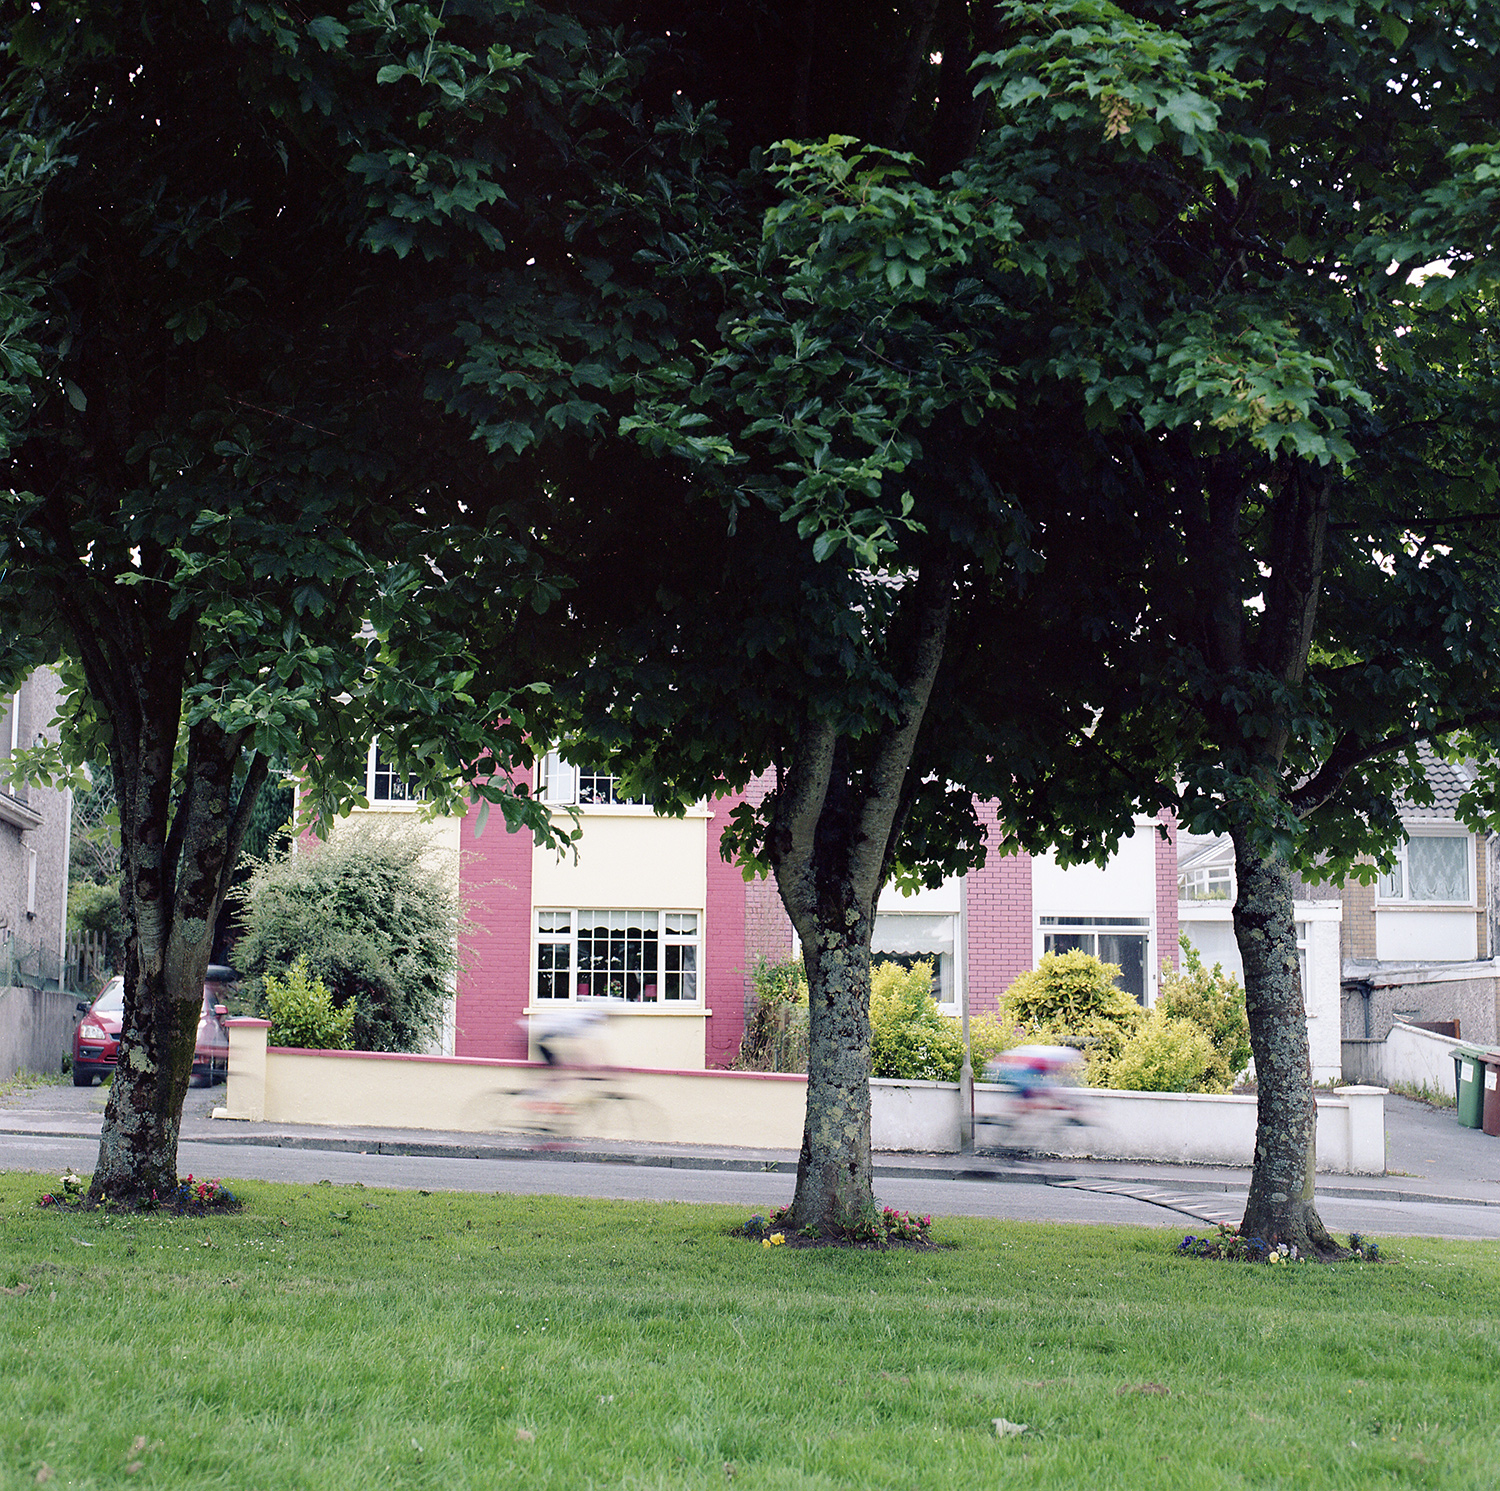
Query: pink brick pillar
[[1167, 949], [494, 981], [999, 917], [723, 944]]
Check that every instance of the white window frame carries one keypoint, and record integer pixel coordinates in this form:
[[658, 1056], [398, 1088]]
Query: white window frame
[[375, 771], [1385, 897], [560, 783], [1073, 925], [676, 930]]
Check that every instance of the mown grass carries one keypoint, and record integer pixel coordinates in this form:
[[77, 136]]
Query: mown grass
[[337, 1336]]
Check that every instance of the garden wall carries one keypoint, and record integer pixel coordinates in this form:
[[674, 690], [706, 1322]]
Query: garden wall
[[1408, 1054], [754, 1110], [36, 1029]]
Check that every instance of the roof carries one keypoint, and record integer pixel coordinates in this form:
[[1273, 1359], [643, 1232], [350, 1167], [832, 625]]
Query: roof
[[1449, 781]]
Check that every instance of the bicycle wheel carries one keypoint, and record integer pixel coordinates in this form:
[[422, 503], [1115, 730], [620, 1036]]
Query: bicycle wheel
[[609, 1112], [529, 1111]]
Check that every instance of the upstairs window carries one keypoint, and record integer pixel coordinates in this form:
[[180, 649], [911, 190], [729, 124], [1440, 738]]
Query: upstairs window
[[1432, 869], [386, 784], [561, 783]]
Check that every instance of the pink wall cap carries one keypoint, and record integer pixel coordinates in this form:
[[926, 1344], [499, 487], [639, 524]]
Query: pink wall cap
[[246, 1022]]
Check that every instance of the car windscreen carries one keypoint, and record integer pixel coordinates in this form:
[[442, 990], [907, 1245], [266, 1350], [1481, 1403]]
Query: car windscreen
[[111, 1000]]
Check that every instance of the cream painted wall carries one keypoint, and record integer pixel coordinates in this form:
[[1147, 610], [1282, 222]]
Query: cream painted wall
[[753, 1110], [1418, 935], [947, 899], [1126, 886], [627, 860], [641, 1035]]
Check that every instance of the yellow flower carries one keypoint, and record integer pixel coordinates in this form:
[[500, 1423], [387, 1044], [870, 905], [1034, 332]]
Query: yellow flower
[[765, 1242], [777, 1239]]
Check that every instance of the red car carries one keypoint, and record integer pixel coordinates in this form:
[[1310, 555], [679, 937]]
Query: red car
[[96, 1041]]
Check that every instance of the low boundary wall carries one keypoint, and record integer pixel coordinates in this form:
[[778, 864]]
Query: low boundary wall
[[1409, 1054], [754, 1110], [36, 1029]]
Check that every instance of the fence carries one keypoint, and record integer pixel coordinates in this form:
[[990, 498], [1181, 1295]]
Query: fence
[[82, 968]]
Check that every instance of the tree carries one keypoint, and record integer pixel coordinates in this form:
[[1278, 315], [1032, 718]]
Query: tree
[[844, 521], [372, 916], [221, 466], [1246, 190]]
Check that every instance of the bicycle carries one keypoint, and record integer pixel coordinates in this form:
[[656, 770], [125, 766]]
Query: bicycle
[[1034, 1108], [571, 1105]]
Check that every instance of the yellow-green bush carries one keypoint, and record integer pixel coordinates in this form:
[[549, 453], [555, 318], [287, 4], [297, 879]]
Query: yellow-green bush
[[911, 1040], [1215, 1002], [1071, 999], [989, 1035], [303, 1014], [1166, 1054]]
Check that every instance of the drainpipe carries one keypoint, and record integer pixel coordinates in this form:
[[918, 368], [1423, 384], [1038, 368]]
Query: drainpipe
[[67, 857]]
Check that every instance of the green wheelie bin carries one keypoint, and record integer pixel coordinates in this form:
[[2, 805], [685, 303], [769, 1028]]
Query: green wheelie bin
[[1468, 1081]]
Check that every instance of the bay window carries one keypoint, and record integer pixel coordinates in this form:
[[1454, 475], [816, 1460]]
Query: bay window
[[642, 957]]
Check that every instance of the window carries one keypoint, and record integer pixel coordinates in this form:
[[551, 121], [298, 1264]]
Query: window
[[1206, 883], [602, 789], [387, 784], [643, 957], [1431, 869], [907, 938], [1112, 939], [560, 782]]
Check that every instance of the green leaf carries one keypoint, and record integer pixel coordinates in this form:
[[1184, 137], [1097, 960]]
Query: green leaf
[[329, 34], [76, 396]]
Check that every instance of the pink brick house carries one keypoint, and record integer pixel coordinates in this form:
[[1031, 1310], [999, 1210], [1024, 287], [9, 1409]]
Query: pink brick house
[[650, 913]]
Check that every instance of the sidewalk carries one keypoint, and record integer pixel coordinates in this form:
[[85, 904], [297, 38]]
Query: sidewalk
[[1430, 1157]]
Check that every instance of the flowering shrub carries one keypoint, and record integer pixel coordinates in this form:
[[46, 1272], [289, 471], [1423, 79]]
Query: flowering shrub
[[901, 1226], [70, 1194], [875, 1230]]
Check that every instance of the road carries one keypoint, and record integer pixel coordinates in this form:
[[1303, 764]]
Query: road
[[1092, 1198]]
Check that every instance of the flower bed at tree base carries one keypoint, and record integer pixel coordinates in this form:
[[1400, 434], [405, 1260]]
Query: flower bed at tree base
[[1226, 1245], [192, 1198], [888, 1229]]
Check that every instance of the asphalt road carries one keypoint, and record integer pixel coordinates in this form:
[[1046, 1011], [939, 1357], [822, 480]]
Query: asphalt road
[[1093, 1198]]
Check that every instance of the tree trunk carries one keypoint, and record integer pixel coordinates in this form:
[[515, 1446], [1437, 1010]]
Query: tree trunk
[[1280, 1207], [834, 1178], [174, 883], [838, 815]]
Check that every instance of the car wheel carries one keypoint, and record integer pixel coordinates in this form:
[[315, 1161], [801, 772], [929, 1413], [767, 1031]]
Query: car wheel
[[82, 1079]]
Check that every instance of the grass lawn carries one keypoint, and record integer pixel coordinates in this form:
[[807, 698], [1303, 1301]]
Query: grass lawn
[[333, 1336]]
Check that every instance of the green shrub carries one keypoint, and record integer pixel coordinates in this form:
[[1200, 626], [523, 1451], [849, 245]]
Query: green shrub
[[1215, 1002], [376, 919], [1071, 999], [1166, 1054], [911, 1040], [775, 1038], [94, 909], [989, 1035], [303, 1014]]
